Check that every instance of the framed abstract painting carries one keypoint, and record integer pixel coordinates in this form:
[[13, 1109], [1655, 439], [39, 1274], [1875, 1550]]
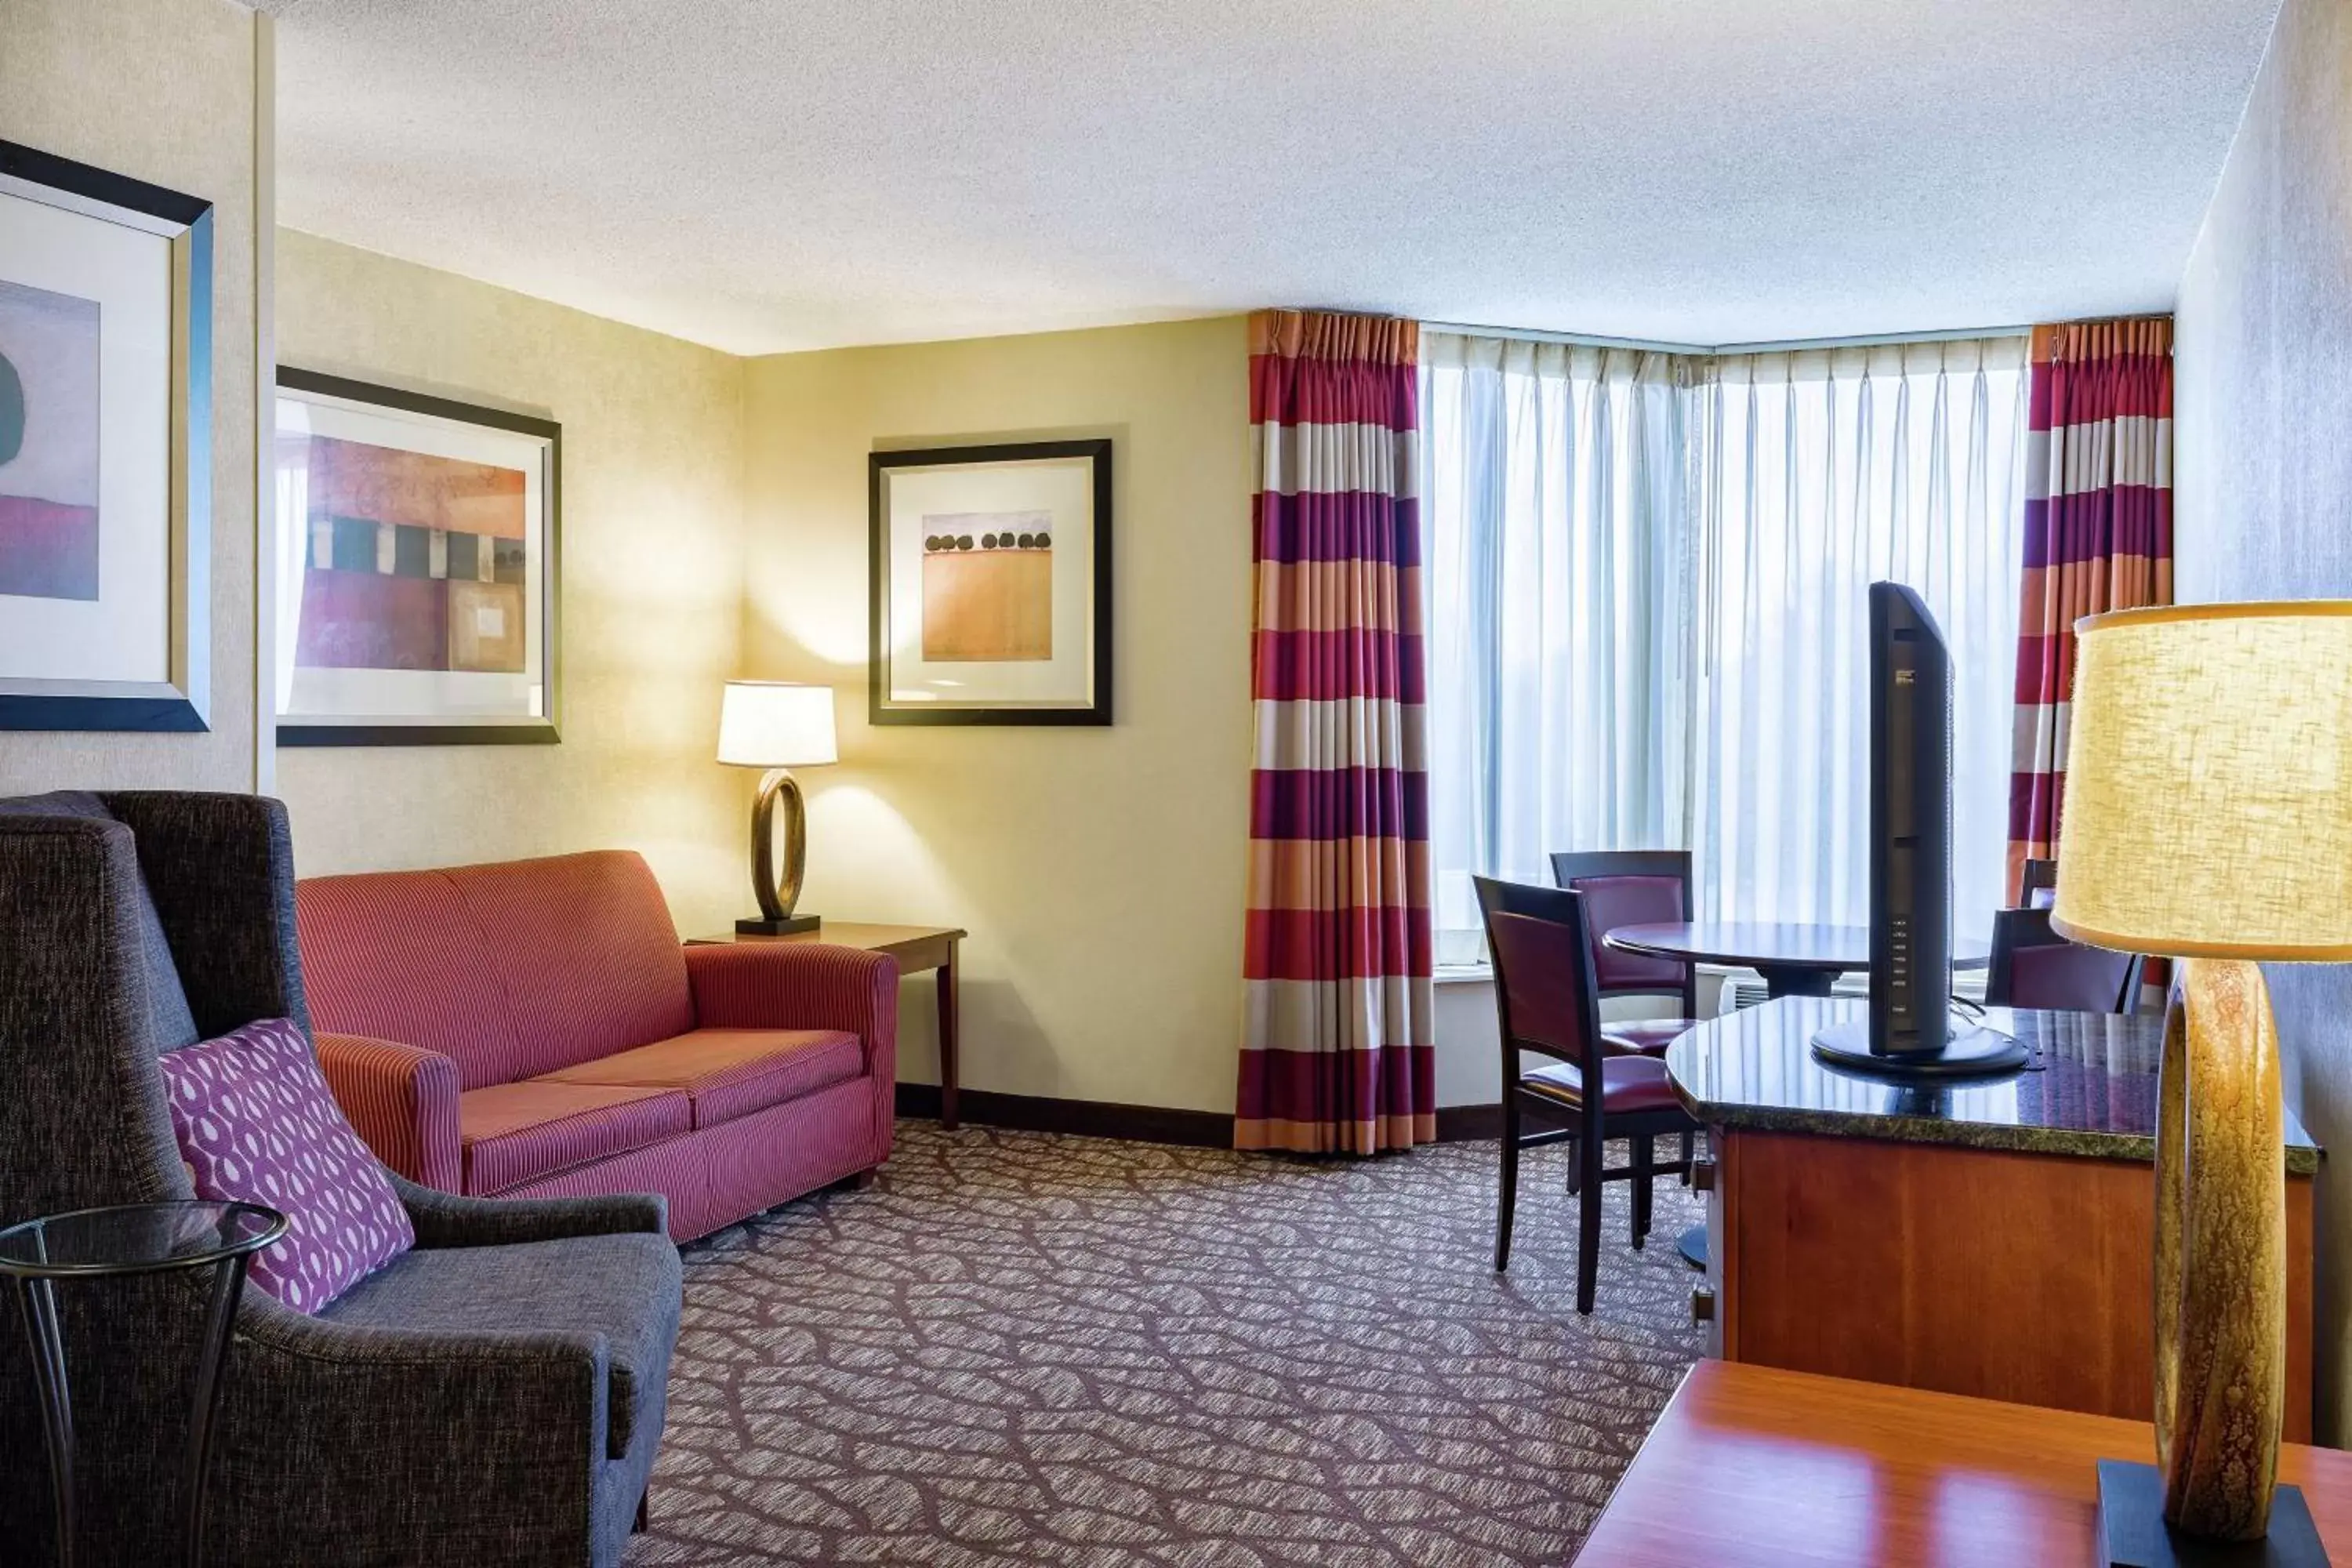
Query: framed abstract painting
[[417, 544], [106, 470], [992, 586]]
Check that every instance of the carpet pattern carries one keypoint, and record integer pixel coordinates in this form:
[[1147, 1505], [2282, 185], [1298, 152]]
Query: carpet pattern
[[1020, 1348]]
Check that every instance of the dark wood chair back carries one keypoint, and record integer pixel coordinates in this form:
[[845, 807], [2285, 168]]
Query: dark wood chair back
[[2037, 888], [1544, 989], [1496, 896], [1545, 998], [2033, 966], [1547, 1001], [1631, 888]]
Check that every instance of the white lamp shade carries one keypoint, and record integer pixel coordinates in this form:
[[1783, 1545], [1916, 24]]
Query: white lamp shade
[[2208, 810], [775, 724]]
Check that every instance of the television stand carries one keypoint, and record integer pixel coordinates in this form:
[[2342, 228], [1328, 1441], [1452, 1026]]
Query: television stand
[[1968, 1050]]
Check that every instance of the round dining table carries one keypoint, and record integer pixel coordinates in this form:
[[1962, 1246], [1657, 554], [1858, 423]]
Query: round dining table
[[1795, 959]]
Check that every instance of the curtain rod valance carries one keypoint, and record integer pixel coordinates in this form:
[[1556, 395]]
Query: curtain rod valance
[[1795, 345]]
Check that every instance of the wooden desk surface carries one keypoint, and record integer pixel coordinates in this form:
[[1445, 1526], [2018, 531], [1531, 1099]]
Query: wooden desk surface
[[906, 944], [1751, 1466]]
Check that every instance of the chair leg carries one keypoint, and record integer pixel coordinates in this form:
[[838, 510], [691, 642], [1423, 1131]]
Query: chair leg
[[644, 1503], [1645, 1159], [1575, 1166], [1507, 1190], [1587, 1222], [1690, 1155]]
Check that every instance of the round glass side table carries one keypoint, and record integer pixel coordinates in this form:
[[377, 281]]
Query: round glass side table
[[113, 1243]]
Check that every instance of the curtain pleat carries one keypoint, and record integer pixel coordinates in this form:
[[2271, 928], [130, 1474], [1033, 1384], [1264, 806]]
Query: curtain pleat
[[1823, 470], [2098, 536], [1559, 561], [1648, 578], [1337, 1053]]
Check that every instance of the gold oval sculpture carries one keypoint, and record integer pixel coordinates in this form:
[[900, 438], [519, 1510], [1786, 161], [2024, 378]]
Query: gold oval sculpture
[[2220, 1254]]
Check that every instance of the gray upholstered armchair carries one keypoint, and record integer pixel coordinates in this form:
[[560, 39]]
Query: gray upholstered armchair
[[495, 1395]]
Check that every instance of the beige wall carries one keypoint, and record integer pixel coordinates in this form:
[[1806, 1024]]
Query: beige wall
[[1099, 870], [715, 524], [162, 90], [652, 578], [2264, 495]]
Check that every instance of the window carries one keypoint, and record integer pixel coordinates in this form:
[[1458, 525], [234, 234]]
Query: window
[[1559, 570], [1645, 576]]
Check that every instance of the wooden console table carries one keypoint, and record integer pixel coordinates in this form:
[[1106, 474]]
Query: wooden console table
[[917, 948], [1752, 1467]]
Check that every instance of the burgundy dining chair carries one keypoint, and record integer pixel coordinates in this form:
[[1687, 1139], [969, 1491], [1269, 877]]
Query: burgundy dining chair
[[1547, 1001], [2033, 966], [1631, 888]]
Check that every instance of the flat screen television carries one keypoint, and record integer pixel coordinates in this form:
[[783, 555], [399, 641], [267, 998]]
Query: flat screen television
[[1910, 1030]]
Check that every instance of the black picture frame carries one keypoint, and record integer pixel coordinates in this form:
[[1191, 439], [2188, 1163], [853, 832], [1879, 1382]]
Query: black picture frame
[[545, 731], [181, 703], [880, 709]]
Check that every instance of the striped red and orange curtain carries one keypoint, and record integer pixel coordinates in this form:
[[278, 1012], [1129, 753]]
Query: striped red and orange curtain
[[1337, 1052], [2098, 535]]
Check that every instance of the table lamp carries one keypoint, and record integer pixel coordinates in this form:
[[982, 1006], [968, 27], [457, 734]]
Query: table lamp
[[2208, 817], [778, 726]]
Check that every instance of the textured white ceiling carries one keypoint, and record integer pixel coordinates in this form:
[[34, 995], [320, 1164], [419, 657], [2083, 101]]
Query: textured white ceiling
[[774, 175]]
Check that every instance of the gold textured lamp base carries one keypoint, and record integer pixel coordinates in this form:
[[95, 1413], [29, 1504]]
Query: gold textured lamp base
[[2221, 1254], [777, 896]]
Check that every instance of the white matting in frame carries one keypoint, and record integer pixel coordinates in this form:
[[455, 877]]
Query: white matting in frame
[[991, 570], [417, 541], [105, 449]]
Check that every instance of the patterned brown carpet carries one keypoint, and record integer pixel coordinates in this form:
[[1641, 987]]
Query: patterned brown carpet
[[1018, 1348]]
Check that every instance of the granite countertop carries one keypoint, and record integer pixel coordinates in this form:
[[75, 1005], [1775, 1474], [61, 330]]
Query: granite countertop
[[2089, 1089]]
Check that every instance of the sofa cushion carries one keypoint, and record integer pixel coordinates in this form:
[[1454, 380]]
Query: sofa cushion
[[255, 1124], [624, 1288], [397, 955], [584, 948], [730, 1073], [168, 1016], [517, 1133]]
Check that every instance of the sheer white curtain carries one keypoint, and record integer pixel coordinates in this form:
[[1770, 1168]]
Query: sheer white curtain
[[1558, 565], [1820, 472]]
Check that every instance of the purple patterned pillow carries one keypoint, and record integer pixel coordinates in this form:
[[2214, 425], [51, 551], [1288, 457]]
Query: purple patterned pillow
[[256, 1123]]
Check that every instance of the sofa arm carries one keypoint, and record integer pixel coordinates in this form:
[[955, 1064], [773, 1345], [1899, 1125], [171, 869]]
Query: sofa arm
[[390, 1436], [402, 1102], [800, 985], [446, 1219]]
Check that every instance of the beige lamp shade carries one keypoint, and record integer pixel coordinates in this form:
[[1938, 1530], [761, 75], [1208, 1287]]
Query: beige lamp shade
[[2208, 808], [776, 724]]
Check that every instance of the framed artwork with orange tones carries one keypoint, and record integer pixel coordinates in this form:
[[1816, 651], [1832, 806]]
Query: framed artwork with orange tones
[[991, 577], [416, 549]]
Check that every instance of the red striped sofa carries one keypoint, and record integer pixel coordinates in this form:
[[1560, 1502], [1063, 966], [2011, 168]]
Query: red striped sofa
[[534, 1029]]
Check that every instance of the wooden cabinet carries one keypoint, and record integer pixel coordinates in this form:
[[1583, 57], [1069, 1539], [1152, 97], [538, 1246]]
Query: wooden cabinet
[[1991, 1237], [2001, 1273]]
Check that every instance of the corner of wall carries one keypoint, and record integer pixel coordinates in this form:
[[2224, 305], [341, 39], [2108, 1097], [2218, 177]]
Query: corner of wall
[[265, 401]]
